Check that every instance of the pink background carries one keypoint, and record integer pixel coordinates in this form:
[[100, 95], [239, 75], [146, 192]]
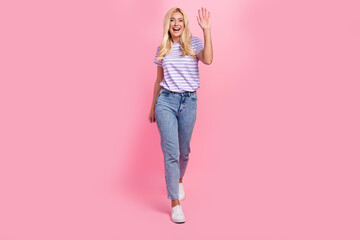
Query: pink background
[[275, 150]]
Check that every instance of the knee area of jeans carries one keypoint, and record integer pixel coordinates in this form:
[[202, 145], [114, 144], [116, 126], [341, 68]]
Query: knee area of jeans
[[184, 158], [185, 153], [173, 156]]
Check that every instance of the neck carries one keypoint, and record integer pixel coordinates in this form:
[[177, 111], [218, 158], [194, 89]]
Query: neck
[[176, 40]]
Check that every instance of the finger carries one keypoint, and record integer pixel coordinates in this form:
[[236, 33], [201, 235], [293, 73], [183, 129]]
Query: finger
[[199, 13], [207, 13]]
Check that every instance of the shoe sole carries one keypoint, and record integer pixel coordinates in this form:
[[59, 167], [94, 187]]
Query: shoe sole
[[177, 222]]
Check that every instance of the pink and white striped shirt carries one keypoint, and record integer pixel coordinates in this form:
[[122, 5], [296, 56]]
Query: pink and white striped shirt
[[181, 73]]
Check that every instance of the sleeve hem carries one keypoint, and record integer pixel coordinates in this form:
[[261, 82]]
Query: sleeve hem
[[157, 63]]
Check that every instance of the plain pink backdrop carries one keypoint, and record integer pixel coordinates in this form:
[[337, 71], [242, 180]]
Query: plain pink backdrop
[[275, 149]]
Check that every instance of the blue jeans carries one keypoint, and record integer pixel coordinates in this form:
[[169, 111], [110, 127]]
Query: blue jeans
[[175, 115]]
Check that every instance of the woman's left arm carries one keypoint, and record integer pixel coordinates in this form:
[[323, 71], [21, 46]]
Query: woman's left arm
[[206, 55]]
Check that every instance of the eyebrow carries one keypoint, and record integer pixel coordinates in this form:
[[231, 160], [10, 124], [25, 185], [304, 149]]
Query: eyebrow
[[174, 18]]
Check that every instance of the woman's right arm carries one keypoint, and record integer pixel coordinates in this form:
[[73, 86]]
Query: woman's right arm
[[157, 88]]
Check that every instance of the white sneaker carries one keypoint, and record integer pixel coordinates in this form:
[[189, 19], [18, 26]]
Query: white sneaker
[[177, 215], [181, 192]]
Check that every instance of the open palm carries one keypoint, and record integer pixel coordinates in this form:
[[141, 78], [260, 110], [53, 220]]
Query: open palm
[[204, 18]]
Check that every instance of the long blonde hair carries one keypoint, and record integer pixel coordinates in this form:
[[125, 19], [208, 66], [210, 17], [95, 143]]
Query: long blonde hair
[[185, 39]]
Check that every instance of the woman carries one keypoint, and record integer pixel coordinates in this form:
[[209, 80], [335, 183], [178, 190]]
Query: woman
[[174, 103]]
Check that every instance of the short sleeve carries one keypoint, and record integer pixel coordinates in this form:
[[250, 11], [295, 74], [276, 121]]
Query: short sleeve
[[156, 62], [198, 45]]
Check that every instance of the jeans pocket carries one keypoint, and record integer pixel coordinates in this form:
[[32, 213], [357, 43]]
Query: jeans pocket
[[193, 97], [163, 93]]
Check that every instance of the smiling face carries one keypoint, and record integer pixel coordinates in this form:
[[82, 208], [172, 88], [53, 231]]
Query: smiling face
[[176, 26]]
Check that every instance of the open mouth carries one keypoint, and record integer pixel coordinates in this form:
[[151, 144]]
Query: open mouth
[[176, 29]]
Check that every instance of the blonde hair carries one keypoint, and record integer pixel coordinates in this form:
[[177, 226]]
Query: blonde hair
[[185, 38]]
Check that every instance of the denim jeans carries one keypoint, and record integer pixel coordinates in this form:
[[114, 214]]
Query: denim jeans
[[175, 115]]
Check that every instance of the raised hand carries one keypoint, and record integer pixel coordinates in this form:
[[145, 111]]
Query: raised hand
[[203, 18]]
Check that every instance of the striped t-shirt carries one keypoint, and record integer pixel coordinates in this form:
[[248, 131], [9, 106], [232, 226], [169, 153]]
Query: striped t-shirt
[[181, 73]]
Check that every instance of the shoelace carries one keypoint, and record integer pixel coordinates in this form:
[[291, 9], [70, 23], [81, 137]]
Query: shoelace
[[177, 210]]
